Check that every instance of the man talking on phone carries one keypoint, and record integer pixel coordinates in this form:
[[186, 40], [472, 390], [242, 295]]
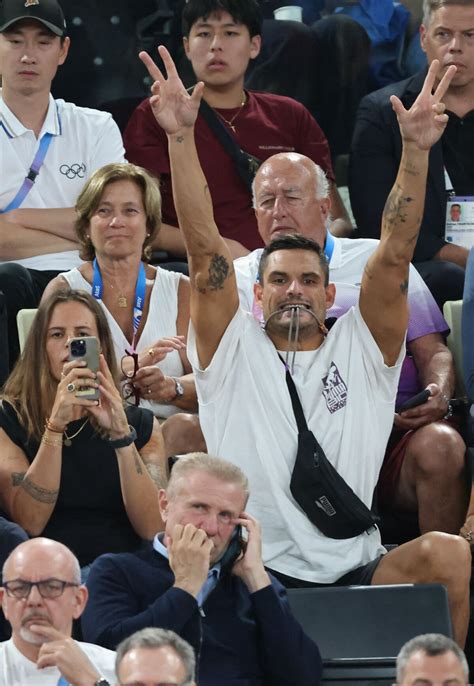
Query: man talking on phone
[[204, 578]]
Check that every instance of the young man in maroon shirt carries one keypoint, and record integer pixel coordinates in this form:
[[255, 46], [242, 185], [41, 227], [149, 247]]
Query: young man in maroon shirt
[[220, 38]]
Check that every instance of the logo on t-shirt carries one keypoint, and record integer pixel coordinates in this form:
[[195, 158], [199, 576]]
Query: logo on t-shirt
[[73, 170], [334, 389]]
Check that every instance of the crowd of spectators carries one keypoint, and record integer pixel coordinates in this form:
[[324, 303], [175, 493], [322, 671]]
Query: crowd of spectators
[[248, 313]]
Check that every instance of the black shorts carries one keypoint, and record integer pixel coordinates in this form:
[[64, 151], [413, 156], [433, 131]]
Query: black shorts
[[361, 576]]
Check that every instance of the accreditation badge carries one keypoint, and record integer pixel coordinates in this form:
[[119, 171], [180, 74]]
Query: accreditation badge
[[460, 220]]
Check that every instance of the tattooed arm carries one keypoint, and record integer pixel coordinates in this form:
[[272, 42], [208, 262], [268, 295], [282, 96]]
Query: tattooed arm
[[383, 297], [214, 297], [29, 491]]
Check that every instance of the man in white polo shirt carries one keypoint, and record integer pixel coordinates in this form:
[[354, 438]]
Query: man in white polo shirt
[[54, 144]]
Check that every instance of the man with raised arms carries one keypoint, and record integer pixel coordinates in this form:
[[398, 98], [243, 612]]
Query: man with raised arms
[[346, 380]]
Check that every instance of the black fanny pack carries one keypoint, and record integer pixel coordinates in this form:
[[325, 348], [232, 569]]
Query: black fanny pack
[[318, 488]]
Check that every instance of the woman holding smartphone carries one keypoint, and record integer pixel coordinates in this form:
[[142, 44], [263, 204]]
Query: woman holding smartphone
[[119, 215], [81, 471]]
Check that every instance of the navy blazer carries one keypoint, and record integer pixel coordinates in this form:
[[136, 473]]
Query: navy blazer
[[240, 638], [375, 156]]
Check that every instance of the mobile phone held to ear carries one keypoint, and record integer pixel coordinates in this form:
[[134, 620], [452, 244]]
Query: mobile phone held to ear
[[416, 400], [237, 545], [86, 348]]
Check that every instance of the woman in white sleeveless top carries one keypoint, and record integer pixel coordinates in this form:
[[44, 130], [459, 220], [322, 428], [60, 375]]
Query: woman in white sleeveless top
[[147, 308]]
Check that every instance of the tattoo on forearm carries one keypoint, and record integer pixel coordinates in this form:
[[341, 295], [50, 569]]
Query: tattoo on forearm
[[404, 287], [395, 211], [43, 495], [179, 139], [138, 463]]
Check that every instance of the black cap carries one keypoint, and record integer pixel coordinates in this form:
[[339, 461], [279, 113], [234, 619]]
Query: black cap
[[48, 12]]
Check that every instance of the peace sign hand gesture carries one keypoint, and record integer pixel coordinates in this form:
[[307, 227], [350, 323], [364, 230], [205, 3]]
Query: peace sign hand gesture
[[174, 108], [423, 124]]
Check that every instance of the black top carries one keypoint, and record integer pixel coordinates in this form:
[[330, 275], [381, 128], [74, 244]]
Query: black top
[[458, 145], [89, 516]]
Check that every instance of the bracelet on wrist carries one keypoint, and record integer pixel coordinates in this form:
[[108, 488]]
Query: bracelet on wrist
[[50, 440], [53, 427], [124, 441]]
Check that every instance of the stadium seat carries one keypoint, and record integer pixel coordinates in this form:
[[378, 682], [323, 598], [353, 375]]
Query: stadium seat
[[24, 319], [360, 629]]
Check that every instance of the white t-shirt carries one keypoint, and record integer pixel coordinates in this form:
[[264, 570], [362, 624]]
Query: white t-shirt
[[160, 322], [17, 670], [347, 394], [83, 140]]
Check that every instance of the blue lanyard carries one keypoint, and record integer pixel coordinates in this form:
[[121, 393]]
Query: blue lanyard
[[329, 246], [140, 289], [33, 172]]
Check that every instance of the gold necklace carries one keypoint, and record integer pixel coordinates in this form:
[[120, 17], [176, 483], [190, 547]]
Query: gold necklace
[[121, 299], [230, 122], [68, 439]]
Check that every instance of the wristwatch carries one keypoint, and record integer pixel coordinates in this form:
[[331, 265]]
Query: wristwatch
[[126, 440], [102, 682], [178, 388]]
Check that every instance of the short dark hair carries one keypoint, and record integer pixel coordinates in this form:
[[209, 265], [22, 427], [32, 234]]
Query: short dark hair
[[293, 242], [431, 645], [246, 12]]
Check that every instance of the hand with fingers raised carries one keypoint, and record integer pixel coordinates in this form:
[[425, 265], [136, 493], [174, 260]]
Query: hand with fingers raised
[[424, 123], [174, 108]]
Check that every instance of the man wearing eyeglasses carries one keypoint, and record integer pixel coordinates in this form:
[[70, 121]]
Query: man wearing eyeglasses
[[41, 596], [155, 657]]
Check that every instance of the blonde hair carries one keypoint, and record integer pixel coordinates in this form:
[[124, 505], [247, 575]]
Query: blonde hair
[[214, 466]]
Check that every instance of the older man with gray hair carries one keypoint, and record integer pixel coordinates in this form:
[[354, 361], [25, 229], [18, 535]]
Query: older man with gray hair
[[204, 578], [431, 660], [153, 656]]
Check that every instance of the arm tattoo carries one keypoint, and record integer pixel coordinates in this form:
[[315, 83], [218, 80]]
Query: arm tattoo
[[395, 210], [138, 464], [179, 139], [404, 287], [219, 270], [43, 495]]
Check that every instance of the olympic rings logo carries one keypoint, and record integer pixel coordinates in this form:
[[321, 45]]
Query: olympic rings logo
[[73, 171]]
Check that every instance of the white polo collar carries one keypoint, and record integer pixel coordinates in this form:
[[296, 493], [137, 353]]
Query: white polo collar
[[12, 127]]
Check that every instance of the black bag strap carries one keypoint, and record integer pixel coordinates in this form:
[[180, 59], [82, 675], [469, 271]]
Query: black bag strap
[[296, 403], [228, 142]]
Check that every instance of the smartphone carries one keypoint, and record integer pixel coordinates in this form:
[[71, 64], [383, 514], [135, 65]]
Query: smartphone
[[416, 400], [86, 348], [236, 547]]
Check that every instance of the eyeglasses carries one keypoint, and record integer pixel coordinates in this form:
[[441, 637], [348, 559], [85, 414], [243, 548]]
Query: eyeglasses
[[48, 588], [130, 393]]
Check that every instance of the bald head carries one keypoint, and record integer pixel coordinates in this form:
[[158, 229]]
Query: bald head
[[287, 163], [41, 593], [290, 195], [44, 551]]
